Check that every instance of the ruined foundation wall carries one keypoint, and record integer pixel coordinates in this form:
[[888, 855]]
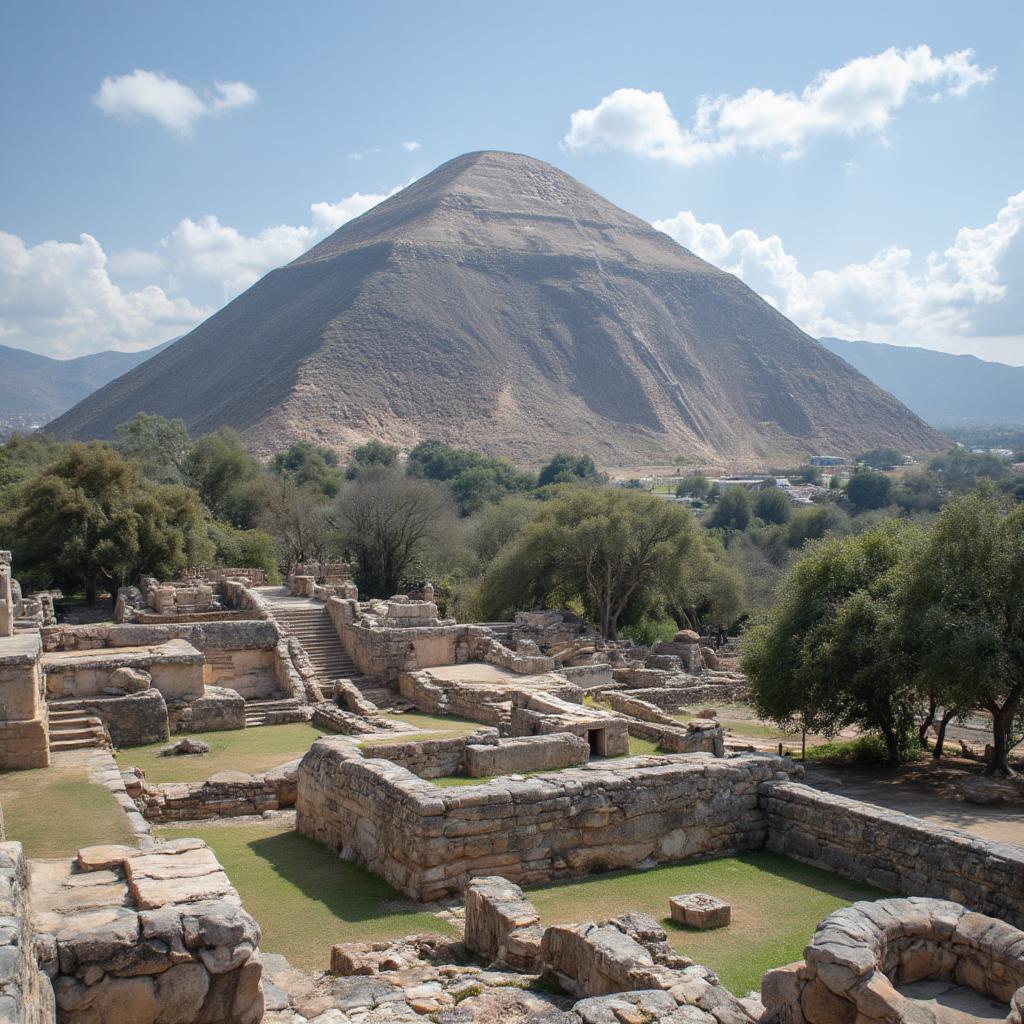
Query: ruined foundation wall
[[26, 995], [428, 841], [24, 735], [896, 852]]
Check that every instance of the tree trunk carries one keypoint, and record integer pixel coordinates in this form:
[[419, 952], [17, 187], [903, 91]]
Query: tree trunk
[[1002, 722], [90, 590], [940, 737], [892, 745], [926, 723]]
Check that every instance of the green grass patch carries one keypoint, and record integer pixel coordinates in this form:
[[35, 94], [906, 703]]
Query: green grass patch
[[243, 750], [53, 812], [449, 725], [776, 905], [304, 896], [638, 745], [863, 750]]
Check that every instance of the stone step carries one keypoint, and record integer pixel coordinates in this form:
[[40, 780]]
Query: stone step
[[75, 744], [87, 733]]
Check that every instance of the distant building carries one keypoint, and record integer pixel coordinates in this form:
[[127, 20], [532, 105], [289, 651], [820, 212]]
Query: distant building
[[827, 460], [751, 483]]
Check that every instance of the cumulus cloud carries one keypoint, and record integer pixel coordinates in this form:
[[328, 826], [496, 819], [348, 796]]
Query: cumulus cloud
[[57, 298], [860, 97], [410, 146], [207, 249], [960, 300], [172, 103]]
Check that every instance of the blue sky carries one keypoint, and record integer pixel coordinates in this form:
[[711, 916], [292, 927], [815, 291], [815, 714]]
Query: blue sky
[[865, 186]]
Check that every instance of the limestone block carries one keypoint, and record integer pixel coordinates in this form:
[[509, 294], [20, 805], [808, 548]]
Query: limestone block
[[699, 910], [495, 909]]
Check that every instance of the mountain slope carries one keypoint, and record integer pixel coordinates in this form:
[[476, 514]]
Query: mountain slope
[[36, 385], [942, 389], [498, 303]]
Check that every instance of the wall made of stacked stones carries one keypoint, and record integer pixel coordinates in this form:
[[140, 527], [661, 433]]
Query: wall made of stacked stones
[[428, 841], [385, 652], [26, 996], [429, 759], [896, 852], [24, 736]]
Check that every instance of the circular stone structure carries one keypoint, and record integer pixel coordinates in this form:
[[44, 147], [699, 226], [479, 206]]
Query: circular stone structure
[[865, 962]]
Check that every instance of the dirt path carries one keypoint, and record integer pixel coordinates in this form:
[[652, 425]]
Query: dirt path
[[927, 790]]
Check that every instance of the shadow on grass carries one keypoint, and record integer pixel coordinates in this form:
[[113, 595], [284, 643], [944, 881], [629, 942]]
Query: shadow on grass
[[349, 891]]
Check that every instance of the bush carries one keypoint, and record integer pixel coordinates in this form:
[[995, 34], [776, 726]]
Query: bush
[[868, 489], [863, 750], [772, 506]]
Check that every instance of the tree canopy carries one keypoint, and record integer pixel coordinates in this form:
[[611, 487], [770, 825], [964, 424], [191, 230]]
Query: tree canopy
[[605, 549]]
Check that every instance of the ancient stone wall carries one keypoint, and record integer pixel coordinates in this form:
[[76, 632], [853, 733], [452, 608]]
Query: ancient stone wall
[[428, 841], [134, 719], [525, 754], [146, 935], [893, 851], [26, 995], [24, 736], [227, 794], [219, 708], [429, 759]]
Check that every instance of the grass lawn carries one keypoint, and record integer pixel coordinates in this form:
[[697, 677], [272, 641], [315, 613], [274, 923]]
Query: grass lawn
[[304, 896], [430, 727], [244, 750], [53, 812], [776, 905]]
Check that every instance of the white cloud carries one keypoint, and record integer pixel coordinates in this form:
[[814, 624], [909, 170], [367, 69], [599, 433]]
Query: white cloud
[[135, 262], [959, 301], [410, 146], [859, 97], [172, 103], [57, 298], [211, 251]]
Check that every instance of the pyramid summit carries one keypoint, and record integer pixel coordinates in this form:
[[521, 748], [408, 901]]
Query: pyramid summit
[[499, 304]]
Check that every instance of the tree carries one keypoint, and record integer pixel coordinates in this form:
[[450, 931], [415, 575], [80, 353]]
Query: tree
[[244, 548], [603, 548], [964, 609], [813, 523], [696, 485], [223, 472], [773, 506], [881, 458], [297, 516], [385, 521], [374, 454], [160, 446], [309, 465], [830, 651], [569, 469], [867, 489], [732, 511], [90, 520]]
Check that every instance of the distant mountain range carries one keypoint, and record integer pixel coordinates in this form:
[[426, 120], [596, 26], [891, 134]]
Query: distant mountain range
[[35, 389], [944, 390]]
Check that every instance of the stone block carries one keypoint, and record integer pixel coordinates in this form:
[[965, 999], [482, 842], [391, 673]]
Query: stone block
[[699, 910]]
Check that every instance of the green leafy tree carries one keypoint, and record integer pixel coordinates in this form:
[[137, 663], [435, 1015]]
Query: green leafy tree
[[310, 465], [961, 470], [605, 549], [223, 472], [374, 455], [569, 469], [772, 506], [696, 485], [881, 458], [964, 612], [386, 521], [160, 446], [89, 520], [814, 523], [732, 511], [298, 517], [867, 489], [830, 651], [245, 548]]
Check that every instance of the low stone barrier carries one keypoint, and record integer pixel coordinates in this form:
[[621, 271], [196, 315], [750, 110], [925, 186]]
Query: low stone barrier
[[629, 704], [429, 759], [428, 841], [26, 995], [24, 733], [526, 754], [701, 735], [860, 955], [893, 851], [227, 794], [502, 926], [132, 720]]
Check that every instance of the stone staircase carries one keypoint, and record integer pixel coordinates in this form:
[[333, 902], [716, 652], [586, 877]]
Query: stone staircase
[[310, 623], [73, 728], [501, 630], [257, 712]]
